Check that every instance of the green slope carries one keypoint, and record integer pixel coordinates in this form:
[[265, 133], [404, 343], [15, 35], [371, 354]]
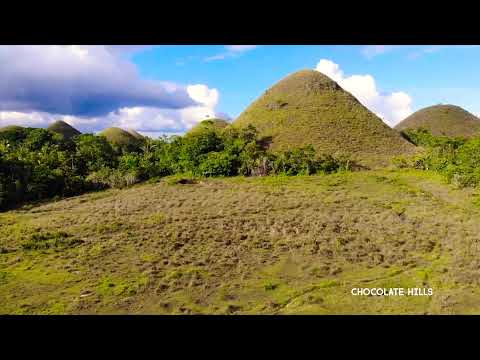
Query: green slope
[[308, 107], [119, 136], [447, 120], [64, 129]]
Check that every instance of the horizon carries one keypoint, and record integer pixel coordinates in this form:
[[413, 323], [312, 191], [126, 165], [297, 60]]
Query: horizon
[[159, 90]]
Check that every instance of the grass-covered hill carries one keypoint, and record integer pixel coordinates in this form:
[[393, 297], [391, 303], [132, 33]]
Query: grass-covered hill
[[13, 132], [209, 124], [443, 120], [65, 130], [308, 107], [119, 137], [265, 245], [11, 128], [136, 134]]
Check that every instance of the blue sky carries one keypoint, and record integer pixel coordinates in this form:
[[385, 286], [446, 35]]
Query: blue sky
[[430, 74], [167, 89]]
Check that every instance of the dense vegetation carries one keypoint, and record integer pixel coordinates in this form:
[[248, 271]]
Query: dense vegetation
[[458, 159], [37, 164]]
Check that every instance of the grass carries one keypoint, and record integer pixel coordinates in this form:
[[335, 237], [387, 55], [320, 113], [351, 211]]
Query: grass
[[271, 245], [307, 107], [443, 120]]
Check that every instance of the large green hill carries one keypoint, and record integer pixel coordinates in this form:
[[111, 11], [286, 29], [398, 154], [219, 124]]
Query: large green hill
[[308, 107], [447, 120], [136, 134]]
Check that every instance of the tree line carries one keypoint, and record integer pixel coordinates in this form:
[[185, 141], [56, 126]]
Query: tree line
[[38, 164], [456, 158]]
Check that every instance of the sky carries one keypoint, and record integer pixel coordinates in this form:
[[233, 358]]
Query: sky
[[167, 89]]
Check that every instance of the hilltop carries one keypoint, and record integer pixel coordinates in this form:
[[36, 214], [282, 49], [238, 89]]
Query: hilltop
[[209, 124], [443, 120], [119, 136], [307, 107], [65, 130], [13, 128]]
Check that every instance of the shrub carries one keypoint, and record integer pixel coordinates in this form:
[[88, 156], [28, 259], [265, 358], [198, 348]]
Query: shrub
[[218, 164], [112, 178]]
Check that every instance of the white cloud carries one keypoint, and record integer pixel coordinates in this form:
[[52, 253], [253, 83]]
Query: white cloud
[[370, 51], [95, 87], [231, 51], [425, 50], [151, 121], [240, 48], [78, 80], [391, 108], [203, 95]]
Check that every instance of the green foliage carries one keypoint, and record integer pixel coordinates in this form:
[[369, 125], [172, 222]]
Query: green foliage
[[93, 152], [457, 159], [114, 178], [41, 164], [218, 164], [423, 137], [296, 162]]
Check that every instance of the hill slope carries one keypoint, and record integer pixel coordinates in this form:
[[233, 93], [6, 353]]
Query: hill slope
[[308, 107], [136, 134], [64, 129], [448, 120], [13, 133], [119, 136], [11, 128], [247, 245]]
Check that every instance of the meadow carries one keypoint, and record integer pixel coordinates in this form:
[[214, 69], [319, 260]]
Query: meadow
[[247, 245]]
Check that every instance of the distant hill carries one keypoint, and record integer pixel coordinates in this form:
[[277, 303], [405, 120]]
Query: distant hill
[[64, 129], [307, 107], [447, 120], [11, 128], [136, 134], [13, 133], [215, 124], [119, 137]]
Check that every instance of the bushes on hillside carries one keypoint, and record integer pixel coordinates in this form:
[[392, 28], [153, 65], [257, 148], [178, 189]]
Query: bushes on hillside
[[457, 159], [36, 164]]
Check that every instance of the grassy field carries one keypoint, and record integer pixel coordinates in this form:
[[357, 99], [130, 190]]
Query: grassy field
[[272, 245]]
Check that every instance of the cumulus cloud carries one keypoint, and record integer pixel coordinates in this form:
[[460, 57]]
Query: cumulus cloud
[[94, 87], [391, 107], [150, 121], [231, 51], [78, 80]]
